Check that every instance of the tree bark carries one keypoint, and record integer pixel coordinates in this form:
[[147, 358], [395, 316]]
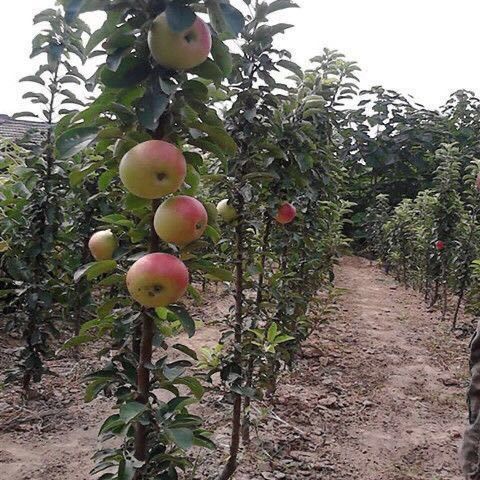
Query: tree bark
[[231, 465]]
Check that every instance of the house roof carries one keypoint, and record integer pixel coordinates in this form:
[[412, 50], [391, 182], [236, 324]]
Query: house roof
[[17, 129]]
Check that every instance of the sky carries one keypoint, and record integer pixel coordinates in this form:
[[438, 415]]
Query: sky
[[425, 48]]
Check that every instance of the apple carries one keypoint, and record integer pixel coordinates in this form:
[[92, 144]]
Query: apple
[[226, 211], [286, 213], [153, 169], [180, 220], [440, 245], [157, 280], [181, 50], [102, 244]]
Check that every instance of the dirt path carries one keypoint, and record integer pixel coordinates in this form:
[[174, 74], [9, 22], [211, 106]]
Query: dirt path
[[378, 394], [407, 372]]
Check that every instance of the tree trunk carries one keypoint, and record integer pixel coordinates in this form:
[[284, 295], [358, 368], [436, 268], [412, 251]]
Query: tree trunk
[[231, 465]]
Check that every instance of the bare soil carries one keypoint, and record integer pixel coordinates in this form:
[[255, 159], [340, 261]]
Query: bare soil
[[377, 394]]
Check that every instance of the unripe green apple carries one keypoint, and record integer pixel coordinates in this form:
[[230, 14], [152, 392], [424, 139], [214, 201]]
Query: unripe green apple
[[102, 245], [226, 211], [211, 212], [157, 280], [180, 220], [153, 169], [179, 50], [192, 180], [286, 213]]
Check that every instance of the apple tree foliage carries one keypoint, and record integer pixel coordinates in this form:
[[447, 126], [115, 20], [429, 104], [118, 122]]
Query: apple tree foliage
[[139, 100], [33, 199]]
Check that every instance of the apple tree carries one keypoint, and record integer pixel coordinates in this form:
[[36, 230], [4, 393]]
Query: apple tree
[[33, 200], [151, 127]]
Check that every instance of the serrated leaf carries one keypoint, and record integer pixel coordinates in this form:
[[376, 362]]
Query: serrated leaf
[[222, 57], [33, 78], [208, 70], [95, 269], [193, 384], [179, 16], [182, 437], [75, 140], [131, 410], [131, 71], [185, 319]]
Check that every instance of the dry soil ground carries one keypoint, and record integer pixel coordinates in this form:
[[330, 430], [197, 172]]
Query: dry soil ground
[[377, 394]]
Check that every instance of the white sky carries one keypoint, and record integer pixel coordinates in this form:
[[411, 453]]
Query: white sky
[[426, 48]]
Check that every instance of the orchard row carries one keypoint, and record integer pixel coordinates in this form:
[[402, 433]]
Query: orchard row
[[187, 165]]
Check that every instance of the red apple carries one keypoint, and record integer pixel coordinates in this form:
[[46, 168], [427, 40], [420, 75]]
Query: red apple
[[286, 213], [226, 211], [180, 220], [157, 280], [102, 245], [179, 50], [440, 245], [153, 169]]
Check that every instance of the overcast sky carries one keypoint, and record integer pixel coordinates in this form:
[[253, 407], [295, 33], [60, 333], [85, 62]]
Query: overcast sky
[[426, 48]]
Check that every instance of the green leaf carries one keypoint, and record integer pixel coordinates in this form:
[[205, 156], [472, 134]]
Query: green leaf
[[216, 272], [185, 319], [133, 202], [283, 338], [219, 136], [291, 66], [131, 410], [105, 179], [179, 16], [112, 424], [150, 108], [182, 437], [280, 5], [272, 332], [94, 388], [221, 55], [213, 234], [75, 140], [304, 161], [76, 341], [234, 19], [203, 441], [131, 72], [117, 219], [209, 70], [95, 269], [186, 350], [126, 470], [24, 115], [193, 384], [33, 78]]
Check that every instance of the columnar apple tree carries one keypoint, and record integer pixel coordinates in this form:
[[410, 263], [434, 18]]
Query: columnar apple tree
[[152, 124], [34, 207]]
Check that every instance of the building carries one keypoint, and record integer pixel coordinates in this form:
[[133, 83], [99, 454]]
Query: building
[[17, 130]]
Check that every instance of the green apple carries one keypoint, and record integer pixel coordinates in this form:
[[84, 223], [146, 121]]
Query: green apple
[[157, 280], [180, 220], [153, 169], [226, 211], [181, 50], [102, 245], [192, 180]]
